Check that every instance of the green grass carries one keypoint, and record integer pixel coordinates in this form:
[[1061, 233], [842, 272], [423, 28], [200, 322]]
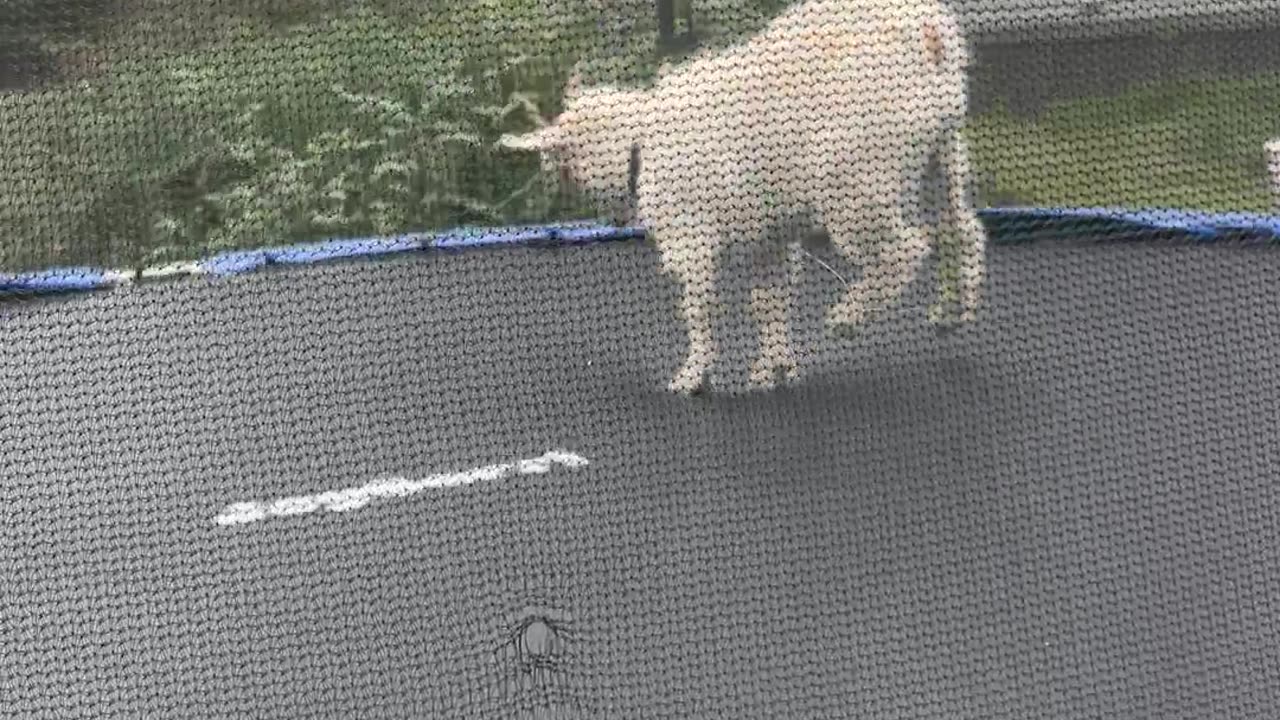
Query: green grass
[[1190, 144]]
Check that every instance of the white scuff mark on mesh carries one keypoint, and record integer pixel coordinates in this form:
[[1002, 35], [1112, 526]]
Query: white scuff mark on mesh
[[243, 513]]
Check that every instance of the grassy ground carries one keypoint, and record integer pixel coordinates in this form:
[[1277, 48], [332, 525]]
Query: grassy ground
[[1192, 145]]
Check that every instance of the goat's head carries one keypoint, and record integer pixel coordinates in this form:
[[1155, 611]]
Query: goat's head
[[590, 147]]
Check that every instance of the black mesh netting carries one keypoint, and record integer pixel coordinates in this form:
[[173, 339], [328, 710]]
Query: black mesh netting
[[701, 359]]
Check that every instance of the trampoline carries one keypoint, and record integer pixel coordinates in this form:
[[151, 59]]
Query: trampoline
[[438, 473]]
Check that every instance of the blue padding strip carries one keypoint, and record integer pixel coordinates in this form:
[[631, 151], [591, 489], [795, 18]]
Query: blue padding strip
[[1201, 226], [56, 280], [1205, 226]]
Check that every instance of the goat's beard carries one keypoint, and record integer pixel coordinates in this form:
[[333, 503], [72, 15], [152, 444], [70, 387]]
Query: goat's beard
[[623, 214], [615, 205], [617, 209]]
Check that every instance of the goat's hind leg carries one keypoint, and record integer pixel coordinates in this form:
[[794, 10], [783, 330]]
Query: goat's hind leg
[[891, 267], [771, 310], [965, 261], [943, 313]]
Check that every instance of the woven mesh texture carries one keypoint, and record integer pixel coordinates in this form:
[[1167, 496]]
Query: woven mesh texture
[[873, 421], [1067, 511]]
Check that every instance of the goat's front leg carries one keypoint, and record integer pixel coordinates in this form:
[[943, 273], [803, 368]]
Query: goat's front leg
[[691, 257]]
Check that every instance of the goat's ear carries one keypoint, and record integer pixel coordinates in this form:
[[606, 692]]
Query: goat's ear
[[539, 140]]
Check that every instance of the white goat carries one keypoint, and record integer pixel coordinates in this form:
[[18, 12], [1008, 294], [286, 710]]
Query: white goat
[[830, 117]]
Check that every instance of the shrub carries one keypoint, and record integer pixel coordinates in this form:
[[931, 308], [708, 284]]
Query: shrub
[[357, 123]]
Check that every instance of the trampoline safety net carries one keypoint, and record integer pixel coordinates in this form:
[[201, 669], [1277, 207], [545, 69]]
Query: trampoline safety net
[[548, 359]]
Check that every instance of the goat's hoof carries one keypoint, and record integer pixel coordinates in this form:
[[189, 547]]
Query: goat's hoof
[[943, 317], [845, 332], [689, 381], [938, 314], [791, 372], [765, 372], [682, 386], [845, 316], [844, 329], [763, 375]]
